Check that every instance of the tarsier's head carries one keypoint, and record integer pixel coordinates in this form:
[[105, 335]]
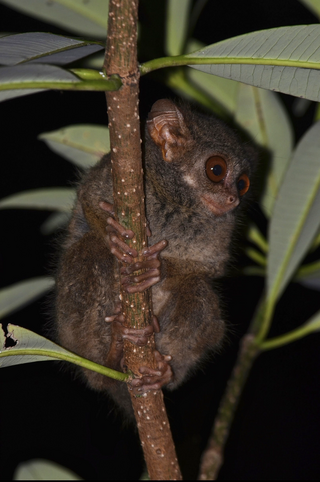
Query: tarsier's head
[[197, 159]]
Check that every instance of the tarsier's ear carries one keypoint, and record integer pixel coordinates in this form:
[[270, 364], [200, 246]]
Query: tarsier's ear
[[167, 127]]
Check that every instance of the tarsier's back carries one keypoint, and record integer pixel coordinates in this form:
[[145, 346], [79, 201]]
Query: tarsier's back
[[197, 175]]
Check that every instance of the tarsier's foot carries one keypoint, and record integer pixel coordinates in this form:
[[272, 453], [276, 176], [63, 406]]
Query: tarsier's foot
[[153, 379], [150, 265]]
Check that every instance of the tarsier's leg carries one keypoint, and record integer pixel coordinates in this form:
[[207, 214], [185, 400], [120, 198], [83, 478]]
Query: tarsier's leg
[[151, 379]]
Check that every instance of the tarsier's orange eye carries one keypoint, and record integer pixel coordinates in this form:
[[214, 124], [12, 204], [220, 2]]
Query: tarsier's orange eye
[[216, 168], [243, 184]]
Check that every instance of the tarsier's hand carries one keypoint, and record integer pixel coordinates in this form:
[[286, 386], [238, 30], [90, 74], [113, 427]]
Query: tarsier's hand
[[150, 265]]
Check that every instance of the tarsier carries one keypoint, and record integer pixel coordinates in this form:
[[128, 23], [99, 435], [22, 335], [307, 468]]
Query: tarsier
[[197, 175]]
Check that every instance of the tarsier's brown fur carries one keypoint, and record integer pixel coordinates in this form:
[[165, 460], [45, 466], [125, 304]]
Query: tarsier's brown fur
[[195, 215]]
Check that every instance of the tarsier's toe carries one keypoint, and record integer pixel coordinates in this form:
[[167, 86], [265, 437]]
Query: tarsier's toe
[[153, 379]]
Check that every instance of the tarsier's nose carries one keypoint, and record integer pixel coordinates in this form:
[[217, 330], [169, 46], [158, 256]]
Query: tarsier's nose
[[233, 200]]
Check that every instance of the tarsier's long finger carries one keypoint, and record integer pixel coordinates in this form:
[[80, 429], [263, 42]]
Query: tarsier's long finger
[[121, 250], [124, 233], [162, 365], [154, 379], [138, 288], [107, 207], [116, 313], [155, 323], [145, 264], [151, 273], [155, 249], [138, 337]]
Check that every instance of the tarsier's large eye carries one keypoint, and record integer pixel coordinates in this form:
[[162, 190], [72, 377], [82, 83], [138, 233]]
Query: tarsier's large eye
[[243, 184], [216, 168]]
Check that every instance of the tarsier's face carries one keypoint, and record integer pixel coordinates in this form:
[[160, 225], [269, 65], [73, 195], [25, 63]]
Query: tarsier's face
[[210, 159], [218, 180], [228, 186]]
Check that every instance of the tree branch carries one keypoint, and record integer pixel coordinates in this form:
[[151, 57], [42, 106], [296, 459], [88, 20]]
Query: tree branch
[[124, 126], [212, 458]]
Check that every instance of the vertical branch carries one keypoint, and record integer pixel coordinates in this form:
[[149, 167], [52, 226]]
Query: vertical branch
[[128, 195], [212, 458]]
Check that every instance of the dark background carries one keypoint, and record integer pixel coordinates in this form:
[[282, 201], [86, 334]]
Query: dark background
[[45, 413]]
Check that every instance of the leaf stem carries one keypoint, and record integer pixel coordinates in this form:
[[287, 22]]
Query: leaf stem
[[293, 335], [72, 358], [91, 85], [189, 60]]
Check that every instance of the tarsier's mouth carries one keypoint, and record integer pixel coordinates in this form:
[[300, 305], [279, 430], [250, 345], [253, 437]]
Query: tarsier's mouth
[[219, 209]]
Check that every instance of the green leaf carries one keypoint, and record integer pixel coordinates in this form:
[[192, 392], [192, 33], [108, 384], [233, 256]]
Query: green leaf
[[57, 199], [309, 275], [20, 345], [40, 47], [83, 145], [285, 59], [222, 91], [177, 81], [296, 219], [22, 75], [30, 78], [279, 59], [261, 114], [256, 256], [309, 271], [177, 25], [255, 236], [18, 295], [89, 18], [54, 221], [38, 469], [313, 5]]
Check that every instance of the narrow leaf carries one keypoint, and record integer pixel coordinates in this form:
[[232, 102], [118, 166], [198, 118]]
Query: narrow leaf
[[309, 275], [43, 47], [261, 114], [54, 221], [20, 345], [18, 295], [296, 219], [285, 59], [57, 199], [177, 25], [30, 74], [84, 18], [313, 5], [279, 59], [83, 145], [38, 469], [313, 284], [223, 91]]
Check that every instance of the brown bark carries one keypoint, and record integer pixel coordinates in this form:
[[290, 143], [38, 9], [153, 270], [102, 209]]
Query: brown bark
[[124, 125], [212, 458]]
